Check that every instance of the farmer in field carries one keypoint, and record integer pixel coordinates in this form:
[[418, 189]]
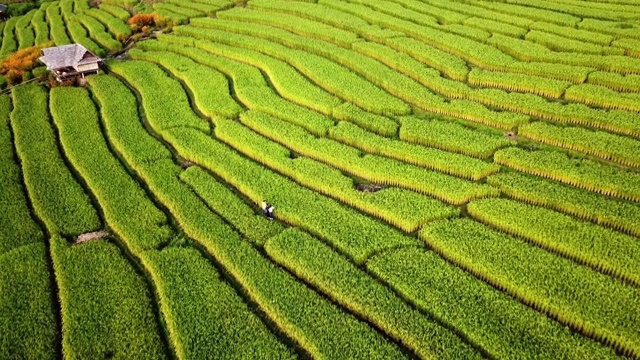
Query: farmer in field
[[270, 211], [264, 207]]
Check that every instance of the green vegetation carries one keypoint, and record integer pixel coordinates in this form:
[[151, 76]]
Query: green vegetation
[[402, 208], [116, 27], [450, 179], [602, 249], [27, 322], [40, 26], [489, 318], [124, 204], [586, 174], [450, 136], [623, 150], [620, 215], [98, 32], [9, 43], [119, 114], [370, 167], [518, 82], [116, 11], [190, 290], [224, 202], [442, 161], [317, 264], [596, 305], [300, 206], [56, 23], [330, 75], [56, 196], [16, 227], [106, 309], [209, 87]]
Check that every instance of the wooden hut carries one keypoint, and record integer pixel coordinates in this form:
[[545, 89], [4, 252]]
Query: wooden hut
[[70, 61]]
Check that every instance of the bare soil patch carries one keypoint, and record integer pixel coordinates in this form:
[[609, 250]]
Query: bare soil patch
[[91, 236]]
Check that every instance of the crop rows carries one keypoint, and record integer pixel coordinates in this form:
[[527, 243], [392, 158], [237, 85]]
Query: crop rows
[[124, 204], [586, 174], [259, 183], [9, 43], [188, 335], [616, 148], [450, 180], [602, 249], [489, 318], [412, 208], [316, 263], [376, 72], [16, 229], [29, 328], [450, 137], [284, 79], [597, 305], [27, 318], [260, 278], [333, 77], [371, 167], [190, 290], [226, 203], [45, 174], [24, 32], [56, 23], [402, 208], [528, 104], [620, 215], [105, 308]]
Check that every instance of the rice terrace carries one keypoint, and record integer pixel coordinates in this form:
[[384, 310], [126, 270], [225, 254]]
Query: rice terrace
[[320, 179]]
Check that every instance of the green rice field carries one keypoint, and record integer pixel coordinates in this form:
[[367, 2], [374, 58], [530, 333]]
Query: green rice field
[[451, 179]]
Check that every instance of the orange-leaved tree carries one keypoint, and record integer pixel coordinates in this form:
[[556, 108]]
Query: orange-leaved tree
[[144, 21], [15, 65]]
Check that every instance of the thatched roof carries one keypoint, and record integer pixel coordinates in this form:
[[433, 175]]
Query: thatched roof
[[67, 56]]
